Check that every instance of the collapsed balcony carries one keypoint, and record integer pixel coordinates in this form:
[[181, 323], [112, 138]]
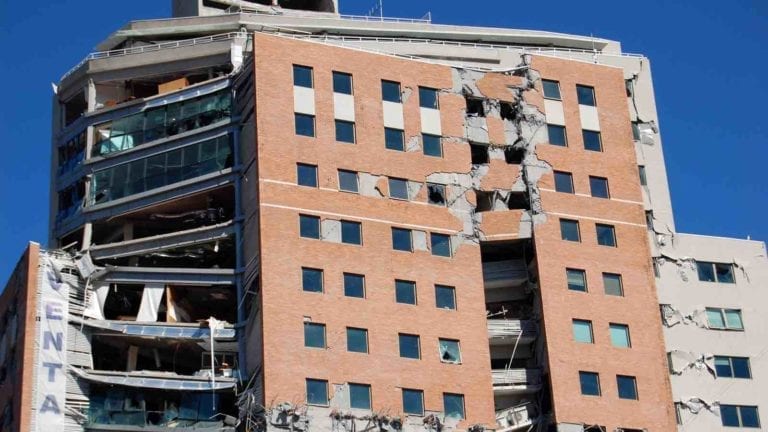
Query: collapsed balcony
[[515, 381], [505, 331], [217, 254], [517, 417]]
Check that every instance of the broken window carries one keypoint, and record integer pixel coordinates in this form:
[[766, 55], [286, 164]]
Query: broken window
[[428, 98], [598, 186], [445, 297], [305, 124], [612, 284], [582, 331], [551, 89], [74, 108], [563, 182], [398, 188], [360, 396], [715, 272], [518, 201], [592, 140], [453, 405], [409, 346], [351, 232], [402, 239], [577, 279], [590, 383], [314, 335], [342, 83], [317, 392], [627, 386], [345, 131], [312, 280], [306, 175], [394, 139], [585, 95], [557, 135], [641, 174], [122, 302], [450, 351], [739, 416], [432, 145], [732, 367], [405, 292], [354, 285], [475, 106], [724, 319], [619, 335], [479, 153], [513, 155], [348, 181], [436, 194], [606, 235], [485, 200], [302, 76], [569, 230], [635, 131], [413, 402], [441, 244], [390, 91], [309, 226], [357, 340], [507, 112]]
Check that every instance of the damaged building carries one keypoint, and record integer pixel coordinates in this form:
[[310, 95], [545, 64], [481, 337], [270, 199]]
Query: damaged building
[[268, 216]]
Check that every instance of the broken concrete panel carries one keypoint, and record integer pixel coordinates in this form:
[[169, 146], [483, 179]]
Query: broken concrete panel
[[495, 152], [648, 133], [369, 185], [413, 144], [492, 108], [696, 405], [682, 361], [499, 86], [476, 130], [420, 241], [465, 82], [671, 316], [330, 230], [340, 398], [413, 190], [406, 94]]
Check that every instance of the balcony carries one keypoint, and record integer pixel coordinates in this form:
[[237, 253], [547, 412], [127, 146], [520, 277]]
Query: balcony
[[516, 381], [515, 418], [502, 274], [506, 331]]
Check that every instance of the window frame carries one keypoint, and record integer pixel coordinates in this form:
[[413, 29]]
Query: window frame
[[570, 222], [583, 275], [619, 278], [443, 188], [412, 337], [362, 332], [627, 379], [723, 316], [588, 374], [344, 172], [385, 97], [299, 166], [599, 182], [311, 71], [360, 386], [452, 289], [626, 334], [459, 398], [405, 186], [340, 74], [559, 128], [305, 271], [732, 368], [643, 175], [317, 223], [739, 416], [432, 139], [612, 228], [713, 268], [436, 92], [414, 392], [388, 131], [453, 343], [564, 175], [544, 83], [574, 326], [345, 225], [297, 129], [593, 95], [585, 133], [340, 138], [310, 324], [412, 287], [317, 381], [410, 239], [434, 240]]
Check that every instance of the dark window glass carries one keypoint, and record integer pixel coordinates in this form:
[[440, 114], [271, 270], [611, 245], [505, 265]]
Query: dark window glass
[[348, 181], [413, 402], [479, 154], [314, 335], [394, 139], [436, 194], [475, 107], [312, 280], [360, 396], [342, 83], [627, 387], [606, 235], [741, 367], [428, 98], [569, 230], [351, 233], [345, 131], [641, 173], [441, 244], [306, 175], [432, 145], [409, 346], [305, 124], [590, 383], [309, 226], [401, 240], [453, 405], [551, 89], [317, 392], [302, 76], [357, 340], [612, 284], [706, 271], [557, 135], [577, 280], [729, 414], [586, 95], [724, 273], [563, 182], [723, 367], [398, 188], [354, 285], [390, 91], [599, 187], [445, 297], [592, 140], [749, 417], [405, 292]]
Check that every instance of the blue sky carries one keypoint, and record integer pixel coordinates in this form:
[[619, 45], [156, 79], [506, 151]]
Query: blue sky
[[709, 64]]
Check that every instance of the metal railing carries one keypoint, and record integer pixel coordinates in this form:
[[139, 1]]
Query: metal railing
[[506, 377], [499, 328], [515, 417], [369, 18]]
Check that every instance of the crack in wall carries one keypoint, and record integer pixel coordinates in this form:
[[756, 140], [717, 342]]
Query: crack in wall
[[682, 361]]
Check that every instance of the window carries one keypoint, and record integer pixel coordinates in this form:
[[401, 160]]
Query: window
[[569, 230], [445, 297], [715, 272], [577, 280], [613, 285], [360, 396], [551, 89], [302, 76], [441, 244], [342, 83], [641, 173], [479, 153], [345, 131], [453, 405], [599, 187], [563, 182], [306, 175], [309, 226], [627, 386], [398, 188], [312, 280], [354, 285], [390, 91], [635, 131], [475, 107], [732, 367], [409, 346], [432, 145], [620, 335], [402, 239], [740, 416], [305, 124], [357, 340], [450, 351], [582, 331], [428, 98], [351, 233], [606, 235], [586, 95], [405, 292], [590, 383], [348, 181], [729, 319], [436, 194], [314, 335], [317, 392], [592, 140], [413, 402], [649, 219], [557, 135], [394, 139]]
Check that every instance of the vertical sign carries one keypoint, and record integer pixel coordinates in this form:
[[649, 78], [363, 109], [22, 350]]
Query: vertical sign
[[52, 348]]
